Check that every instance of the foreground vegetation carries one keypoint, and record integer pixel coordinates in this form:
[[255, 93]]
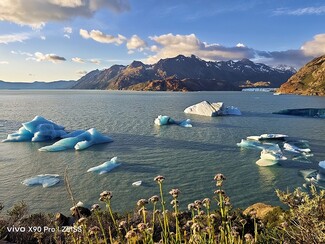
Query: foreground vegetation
[[302, 222]]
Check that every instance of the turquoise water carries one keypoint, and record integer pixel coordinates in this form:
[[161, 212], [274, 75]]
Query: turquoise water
[[187, 157]]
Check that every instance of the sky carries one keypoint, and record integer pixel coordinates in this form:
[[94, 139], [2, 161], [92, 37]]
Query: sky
[[48, 40]]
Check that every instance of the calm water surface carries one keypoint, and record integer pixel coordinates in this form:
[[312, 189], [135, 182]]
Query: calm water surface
[[188, 157]]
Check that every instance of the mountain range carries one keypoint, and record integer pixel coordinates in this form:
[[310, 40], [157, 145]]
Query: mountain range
[[38, 85], [186, 74], [309, 80]]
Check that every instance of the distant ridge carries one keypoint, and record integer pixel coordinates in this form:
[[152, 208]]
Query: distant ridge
[[309, 80], [37, 85], [186, 74]]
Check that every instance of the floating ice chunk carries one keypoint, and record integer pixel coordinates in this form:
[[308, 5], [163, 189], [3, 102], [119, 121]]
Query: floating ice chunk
[[266, 162], [46, 180], [293, 147], [258, 145], [272, 155], [267, 137], [205, 108], [166, 120], [137, 183], [80, 142], [33, 126], [21, 135], [231, 110], [105, 167], [39, 129]]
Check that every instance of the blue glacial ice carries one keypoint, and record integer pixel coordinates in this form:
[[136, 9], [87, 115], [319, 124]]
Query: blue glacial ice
[[39, 129], [166, 120], [46, 180], [79, 142], [105, 167]]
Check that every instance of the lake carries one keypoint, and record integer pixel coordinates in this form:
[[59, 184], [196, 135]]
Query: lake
[[187, 157]]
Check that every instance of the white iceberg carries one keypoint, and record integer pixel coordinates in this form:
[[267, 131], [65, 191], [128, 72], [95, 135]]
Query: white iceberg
[[266, 162], [105, 167], [205, 108], [80, 142], [231, 110], [321, 166], [166, 120], [297, 147], [46, 180], [137, 183], [39, 129], [272, 155], [257, 144], [267, 137]]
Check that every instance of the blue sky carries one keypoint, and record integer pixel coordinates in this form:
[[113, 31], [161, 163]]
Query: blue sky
[[48, 40]]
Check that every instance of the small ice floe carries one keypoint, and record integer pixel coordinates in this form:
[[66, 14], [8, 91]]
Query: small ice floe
[[231, 110], [137, 183], [272, 155], [321, 167], [266, 162], [312, 176], [206, 108], [297, 147], [257, 144], [267, 137], [105, 167], [166, 120], [79, 142], [46, 180]]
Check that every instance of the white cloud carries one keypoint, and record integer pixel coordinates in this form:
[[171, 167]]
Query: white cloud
[[315, 47], [136, 42], [43, 37], [240, 45], [40, 57], [98, 36], [4, 62], [20, 37], [36, 13], [81, 72], [170, 45], [67, 31], [95, 61], [301, 11], [78, 60], [66, 36], [22, 53]]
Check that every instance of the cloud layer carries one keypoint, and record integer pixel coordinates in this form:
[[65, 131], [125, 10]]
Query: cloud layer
[[98, 36], [36, 13]]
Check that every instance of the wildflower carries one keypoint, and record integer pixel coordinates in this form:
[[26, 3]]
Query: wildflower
[[122, 224], [198, 204], [142, 210], [95, 207], [93, 230], [206, 202], [190, 206], [153, 199], [253, 213], [219, 177], [130, 234], [174, 202], [159, 178], [284, 224], [243, 221], [105, 196], [196, 227], [142, 202], [174, 193], [82, 220], [222, 192], [142, 226], [189, 222], [201, 213], [249, 238], [157, 211]]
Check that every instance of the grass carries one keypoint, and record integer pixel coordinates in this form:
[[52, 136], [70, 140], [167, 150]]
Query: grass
[[205, 221]]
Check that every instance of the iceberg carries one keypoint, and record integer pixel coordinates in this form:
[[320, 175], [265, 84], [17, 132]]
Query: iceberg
[[105, 167], [267, 137], [257, 144], [205, 108], [297, 147], [266, 162], [272, 155], [73, 134], [39, 129], [137, 183], [166, 120], [79, 142], [46, 180], [321, 166]]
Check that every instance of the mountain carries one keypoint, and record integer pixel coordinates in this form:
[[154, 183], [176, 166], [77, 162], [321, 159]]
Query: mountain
[[184, 74], [309, 80], [38, 85]]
